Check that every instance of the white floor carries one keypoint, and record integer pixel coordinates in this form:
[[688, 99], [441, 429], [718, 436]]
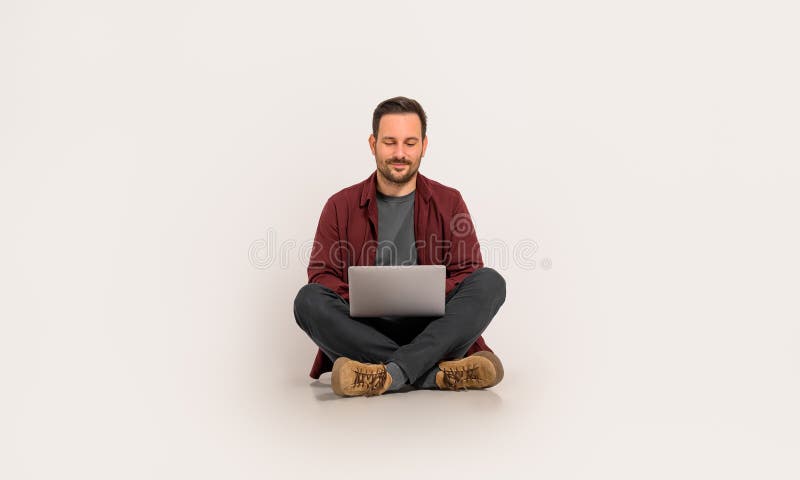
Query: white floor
[[538, 423]]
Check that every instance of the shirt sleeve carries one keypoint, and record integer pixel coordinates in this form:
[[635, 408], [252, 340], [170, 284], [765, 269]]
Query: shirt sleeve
[[329, 254], [464, 252]]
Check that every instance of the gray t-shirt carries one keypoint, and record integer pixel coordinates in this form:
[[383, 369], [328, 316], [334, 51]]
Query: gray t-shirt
[[396, 230]]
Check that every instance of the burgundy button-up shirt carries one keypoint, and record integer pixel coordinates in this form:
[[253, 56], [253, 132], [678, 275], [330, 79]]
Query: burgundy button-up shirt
[[347, 234]]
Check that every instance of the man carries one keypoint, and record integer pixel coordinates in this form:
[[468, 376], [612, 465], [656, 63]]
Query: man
[[397, 216]]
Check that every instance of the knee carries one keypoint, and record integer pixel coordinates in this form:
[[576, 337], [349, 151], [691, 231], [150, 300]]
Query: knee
[[304, 303], [491, 282]]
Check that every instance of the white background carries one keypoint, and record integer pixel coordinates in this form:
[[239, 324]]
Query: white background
[[649, 149]]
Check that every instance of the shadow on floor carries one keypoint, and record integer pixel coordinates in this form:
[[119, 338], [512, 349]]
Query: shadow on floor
[[322, 391]]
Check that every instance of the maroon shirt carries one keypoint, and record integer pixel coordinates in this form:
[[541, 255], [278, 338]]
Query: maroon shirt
[[347, 234]]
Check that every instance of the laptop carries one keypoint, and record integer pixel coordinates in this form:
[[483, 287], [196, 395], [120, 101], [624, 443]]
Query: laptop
[[397, 291]]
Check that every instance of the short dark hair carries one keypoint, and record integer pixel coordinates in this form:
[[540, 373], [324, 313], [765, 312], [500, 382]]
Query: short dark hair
[[399, 105]]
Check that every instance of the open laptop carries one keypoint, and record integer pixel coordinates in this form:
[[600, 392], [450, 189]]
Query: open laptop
[[389, 291]]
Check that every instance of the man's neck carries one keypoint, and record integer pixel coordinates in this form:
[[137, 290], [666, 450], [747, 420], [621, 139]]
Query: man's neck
[[394, 190]]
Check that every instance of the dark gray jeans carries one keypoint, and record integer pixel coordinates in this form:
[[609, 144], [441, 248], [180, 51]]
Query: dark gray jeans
[[414, 344]]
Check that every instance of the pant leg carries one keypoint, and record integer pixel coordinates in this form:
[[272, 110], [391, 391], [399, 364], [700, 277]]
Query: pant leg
[[325, 317], [468, 311]]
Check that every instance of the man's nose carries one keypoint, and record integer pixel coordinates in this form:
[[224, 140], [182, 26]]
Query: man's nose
[[400, 153]]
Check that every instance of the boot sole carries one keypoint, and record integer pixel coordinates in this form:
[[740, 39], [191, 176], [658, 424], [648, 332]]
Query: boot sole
[[336, 375], [498, 365]]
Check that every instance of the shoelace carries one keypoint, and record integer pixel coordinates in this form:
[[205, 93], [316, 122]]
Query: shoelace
[[459, 378], [372, 381]]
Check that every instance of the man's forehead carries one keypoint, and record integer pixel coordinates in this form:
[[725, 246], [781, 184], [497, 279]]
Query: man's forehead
[[400, 125]]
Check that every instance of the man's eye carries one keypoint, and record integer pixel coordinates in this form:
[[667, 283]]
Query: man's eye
[[410, 144]]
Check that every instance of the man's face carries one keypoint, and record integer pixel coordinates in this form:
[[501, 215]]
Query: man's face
[[398, 149]]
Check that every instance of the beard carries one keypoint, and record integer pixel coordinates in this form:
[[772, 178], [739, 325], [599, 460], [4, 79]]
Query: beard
[[398, 178]]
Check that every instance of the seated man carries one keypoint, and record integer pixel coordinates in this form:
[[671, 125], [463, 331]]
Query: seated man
[[397, 216]]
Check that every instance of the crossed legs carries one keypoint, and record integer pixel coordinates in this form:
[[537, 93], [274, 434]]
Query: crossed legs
[[414, 344]]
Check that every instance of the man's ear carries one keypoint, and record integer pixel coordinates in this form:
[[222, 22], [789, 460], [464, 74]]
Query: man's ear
[[424, 145], [371, 141]]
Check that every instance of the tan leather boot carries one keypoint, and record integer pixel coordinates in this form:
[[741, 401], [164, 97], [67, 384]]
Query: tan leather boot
[[479, 370], [351, 378]]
